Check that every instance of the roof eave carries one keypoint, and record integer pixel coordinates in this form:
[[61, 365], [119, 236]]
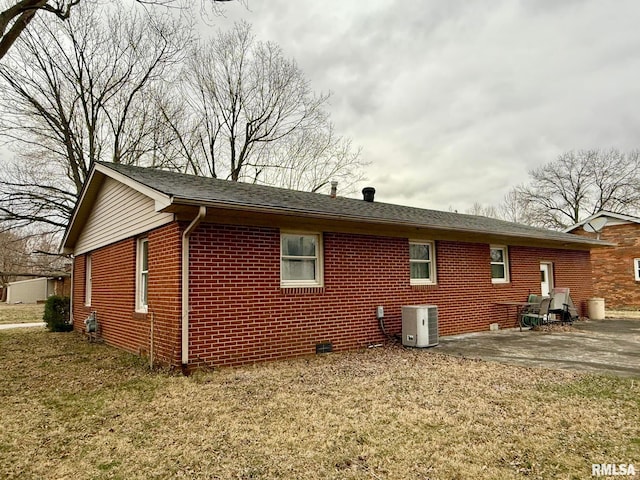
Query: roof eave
[[578, 242], [602, 213]]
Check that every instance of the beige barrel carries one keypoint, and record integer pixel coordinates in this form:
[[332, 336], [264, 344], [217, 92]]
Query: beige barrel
[[595, 308]]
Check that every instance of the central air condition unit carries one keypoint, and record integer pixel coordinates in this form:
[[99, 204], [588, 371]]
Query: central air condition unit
[[419, 325]]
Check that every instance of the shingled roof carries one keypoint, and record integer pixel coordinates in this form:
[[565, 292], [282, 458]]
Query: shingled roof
[[182, 189]]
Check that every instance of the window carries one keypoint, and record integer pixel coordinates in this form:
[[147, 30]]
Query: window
[[636, 268], [142, 274], [87, 280], [301, 260], [422, 263], [499, 264]]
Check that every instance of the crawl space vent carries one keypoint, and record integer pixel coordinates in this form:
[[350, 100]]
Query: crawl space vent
[[324, 347]]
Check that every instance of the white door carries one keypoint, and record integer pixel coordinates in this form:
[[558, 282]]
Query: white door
[[545, 279]]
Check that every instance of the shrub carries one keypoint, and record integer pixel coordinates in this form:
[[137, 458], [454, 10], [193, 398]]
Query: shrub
[[56, 314]]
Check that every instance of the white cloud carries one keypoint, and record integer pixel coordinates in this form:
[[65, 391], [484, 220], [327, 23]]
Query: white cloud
[[453, 102]]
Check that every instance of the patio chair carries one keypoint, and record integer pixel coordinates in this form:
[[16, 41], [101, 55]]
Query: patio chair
[[533, 302], [534, 299], [562, 305], [537, 315]]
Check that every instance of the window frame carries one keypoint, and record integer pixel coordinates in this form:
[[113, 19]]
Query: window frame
[[505, 263], [636, 269], [432, 280], [142, 276], [319, 261], [88, 280]]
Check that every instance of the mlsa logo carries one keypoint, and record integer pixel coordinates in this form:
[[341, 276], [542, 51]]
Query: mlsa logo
[[611, 469]]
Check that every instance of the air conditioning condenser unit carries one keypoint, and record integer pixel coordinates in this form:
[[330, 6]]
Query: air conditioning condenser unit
[[420, 325]]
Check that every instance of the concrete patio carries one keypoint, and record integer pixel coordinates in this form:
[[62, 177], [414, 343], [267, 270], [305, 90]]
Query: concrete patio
[[610, 346]]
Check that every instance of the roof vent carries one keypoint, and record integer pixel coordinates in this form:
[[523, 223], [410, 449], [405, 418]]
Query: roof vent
[[368, 193], [334, 189]]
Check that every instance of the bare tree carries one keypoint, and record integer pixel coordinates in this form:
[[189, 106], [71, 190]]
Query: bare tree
[[25, 253], [248, 114], [310, 159], [88, 89], [482, 210], [77, 92], [35, 192], [512, 208], [12, 259], [19, 14], [15, 19], [579, 184]]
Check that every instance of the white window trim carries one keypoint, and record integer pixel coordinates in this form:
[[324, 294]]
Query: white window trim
[[505, 263], [319, 281], [140, 306], [432, 280], [636, 269], [87, 280]]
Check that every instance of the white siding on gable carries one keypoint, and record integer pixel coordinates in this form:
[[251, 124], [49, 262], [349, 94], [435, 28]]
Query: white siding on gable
[[119, 212]]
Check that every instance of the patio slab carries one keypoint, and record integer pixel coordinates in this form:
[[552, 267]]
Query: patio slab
[[609, 346]]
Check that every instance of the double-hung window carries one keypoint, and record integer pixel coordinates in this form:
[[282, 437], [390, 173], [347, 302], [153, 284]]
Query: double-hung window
[[636, 268], [422, 263], [142, 274], [87, 280], [499, 264], [300, 260]]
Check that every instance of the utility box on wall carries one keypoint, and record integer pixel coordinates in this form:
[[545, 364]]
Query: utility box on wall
[[420, 325]]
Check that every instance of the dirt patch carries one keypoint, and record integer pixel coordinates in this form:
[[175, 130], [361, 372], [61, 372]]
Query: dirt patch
[[76, 410], [21, 313]]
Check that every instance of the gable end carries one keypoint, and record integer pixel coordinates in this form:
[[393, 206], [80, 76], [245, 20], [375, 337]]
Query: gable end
[[119, 212]]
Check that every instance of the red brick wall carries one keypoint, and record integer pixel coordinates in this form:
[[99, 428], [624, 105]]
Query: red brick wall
[[240, 314], [612, 268], [113, 295], [165, 294], [62, 286]]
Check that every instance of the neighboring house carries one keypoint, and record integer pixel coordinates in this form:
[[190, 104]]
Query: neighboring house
[[37, 289], [616, 270], [197, 271]]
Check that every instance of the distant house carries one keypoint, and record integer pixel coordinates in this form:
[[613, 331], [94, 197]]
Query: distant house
[[198, 271], [37, 290], [616, 270]]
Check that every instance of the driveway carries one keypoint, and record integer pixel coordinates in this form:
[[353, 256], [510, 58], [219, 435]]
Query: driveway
[[598, 346]]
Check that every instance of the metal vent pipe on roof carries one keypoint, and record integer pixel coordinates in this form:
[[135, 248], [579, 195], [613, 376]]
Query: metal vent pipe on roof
[[334, 189], [368, 193]]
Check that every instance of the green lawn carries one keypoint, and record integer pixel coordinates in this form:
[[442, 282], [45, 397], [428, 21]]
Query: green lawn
[[71, 409]]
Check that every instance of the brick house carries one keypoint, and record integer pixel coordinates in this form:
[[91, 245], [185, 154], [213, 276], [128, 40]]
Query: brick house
[[615, 271], [198, 271]]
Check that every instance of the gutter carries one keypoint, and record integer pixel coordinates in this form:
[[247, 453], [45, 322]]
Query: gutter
[[276, 210], [185, 283]]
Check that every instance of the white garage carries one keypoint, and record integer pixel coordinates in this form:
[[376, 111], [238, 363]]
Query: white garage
[[31, 291]]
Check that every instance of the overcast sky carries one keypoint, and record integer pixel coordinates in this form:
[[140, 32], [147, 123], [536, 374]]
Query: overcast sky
[[453, 101]]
